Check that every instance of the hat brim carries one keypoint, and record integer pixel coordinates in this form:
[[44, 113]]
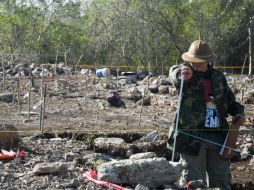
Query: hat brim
[[188, 57]]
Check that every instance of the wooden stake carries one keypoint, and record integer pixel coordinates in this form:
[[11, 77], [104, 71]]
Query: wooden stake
[[44, 104], [250, 44], [117, 76], [242, 94], [41, 109], [29, 95], [77, 64], [56, 61], [18, 94], [245, 58], [65, 61], [42, 94], [86, 88], [141, 109], [3, 75], [162, 68]]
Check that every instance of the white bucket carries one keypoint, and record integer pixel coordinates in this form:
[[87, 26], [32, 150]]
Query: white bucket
[[105, 72]]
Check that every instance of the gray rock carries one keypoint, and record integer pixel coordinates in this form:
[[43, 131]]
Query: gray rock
[[97, 157], [172, 91], [251, 164], [141, 187], [70, 156], [51, 168], [197, 184], [163, 89], [101, 142], [133, 94], [144, 101], [154, 88], [36, 71], [152, 136], [144, 155], [149, 172], [7, 97], [164, 81]]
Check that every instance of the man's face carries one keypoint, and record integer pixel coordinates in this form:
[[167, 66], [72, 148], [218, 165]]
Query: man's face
[[200, 67]]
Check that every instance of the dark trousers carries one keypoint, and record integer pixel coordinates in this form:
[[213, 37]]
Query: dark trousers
[[207, 166]]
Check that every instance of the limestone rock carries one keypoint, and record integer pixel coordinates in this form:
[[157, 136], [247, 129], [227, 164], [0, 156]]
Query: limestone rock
[[108, 141], [144, 155], [133, 94], [152, 172], [163, 89], [144, 101], [164, 81], [7, 97], [154, 88], [51, 168]]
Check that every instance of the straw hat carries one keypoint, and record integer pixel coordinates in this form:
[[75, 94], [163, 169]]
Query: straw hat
[[199, 52]]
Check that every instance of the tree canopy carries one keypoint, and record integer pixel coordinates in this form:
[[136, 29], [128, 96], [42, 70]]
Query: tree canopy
[[131, 32]]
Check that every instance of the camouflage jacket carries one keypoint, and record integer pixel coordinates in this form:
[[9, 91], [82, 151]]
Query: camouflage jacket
[[192, 112]]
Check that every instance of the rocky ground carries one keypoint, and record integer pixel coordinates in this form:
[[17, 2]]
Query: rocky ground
[[77, 112]]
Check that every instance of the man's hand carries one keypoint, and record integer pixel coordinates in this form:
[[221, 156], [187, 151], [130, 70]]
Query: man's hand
[[186, 72], [239, 120]]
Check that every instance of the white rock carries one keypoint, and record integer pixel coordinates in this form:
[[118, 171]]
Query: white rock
[[144, 155], [51, 168], [108, 141], [152, 172]]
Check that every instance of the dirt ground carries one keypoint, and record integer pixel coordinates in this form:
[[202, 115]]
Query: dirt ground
[[81, 107]]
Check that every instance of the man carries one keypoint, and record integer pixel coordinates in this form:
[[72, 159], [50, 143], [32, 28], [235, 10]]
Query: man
[[205, 104]]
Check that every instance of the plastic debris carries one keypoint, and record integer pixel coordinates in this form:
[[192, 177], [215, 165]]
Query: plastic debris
[[91, 175], [4, 154]]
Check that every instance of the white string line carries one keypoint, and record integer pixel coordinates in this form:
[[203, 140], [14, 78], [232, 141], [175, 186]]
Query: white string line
[[80, 131], [73, 130], [177, 116], [215, 143]]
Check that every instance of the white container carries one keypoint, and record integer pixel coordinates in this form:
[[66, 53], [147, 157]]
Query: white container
[[105, 72]]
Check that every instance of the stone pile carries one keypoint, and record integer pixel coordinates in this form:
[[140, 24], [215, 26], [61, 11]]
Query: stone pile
[[58, 163], [24, 69]]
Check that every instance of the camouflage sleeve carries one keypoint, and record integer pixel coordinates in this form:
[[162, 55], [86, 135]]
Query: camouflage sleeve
[[174, 75]]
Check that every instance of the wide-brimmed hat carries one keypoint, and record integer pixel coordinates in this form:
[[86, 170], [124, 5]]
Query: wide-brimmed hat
[[199, 52]]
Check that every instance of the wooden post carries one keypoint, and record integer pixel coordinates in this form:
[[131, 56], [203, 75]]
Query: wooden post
[[42, 94], [117, 76], [162, 68], [141, 109], [250, 44], [29, 101], [56, 61], [65, 62], [18, 94], [245, 58], [86, 87], [76, 73], [3, 75], [87, 80], [41, 109], [149, 67], [44, 104], [242, 93], [29, 94]]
